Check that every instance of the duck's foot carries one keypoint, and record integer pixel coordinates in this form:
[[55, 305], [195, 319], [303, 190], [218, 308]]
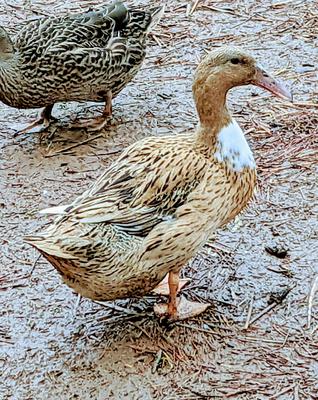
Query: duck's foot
[[164, 289], [185, 309], [40, 124], [92, 125], [98, 123]]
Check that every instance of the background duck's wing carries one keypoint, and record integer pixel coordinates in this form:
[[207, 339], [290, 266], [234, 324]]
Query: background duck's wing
[[144, 187]]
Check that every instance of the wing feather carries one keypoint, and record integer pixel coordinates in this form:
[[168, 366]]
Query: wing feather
[[142, 189]]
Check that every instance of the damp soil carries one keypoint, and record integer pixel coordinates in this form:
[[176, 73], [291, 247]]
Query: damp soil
[[259, 338]]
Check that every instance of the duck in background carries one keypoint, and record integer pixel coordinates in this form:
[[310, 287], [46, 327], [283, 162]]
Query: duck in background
[[82, 57], [153, 209]]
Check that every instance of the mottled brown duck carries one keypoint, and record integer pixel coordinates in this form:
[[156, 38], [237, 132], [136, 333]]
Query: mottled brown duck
[[152, 210], [81, 57]]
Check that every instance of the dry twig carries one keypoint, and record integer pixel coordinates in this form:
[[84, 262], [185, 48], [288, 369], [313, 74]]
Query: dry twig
[[313, 289]]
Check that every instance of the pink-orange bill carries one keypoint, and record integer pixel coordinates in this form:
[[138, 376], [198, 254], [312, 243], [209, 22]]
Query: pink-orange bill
[[266, 81]]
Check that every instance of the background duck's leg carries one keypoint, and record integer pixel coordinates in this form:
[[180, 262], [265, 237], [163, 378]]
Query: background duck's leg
[[41, 123], [95, 124], [178, 309], [164, 289], [108, 109]]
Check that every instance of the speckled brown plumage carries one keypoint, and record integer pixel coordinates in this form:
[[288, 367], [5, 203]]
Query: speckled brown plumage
[[155, 207], [82, 57]]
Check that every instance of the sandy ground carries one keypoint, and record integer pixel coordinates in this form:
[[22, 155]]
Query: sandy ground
[[53, 346]]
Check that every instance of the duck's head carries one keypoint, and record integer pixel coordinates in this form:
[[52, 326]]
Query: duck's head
[[6, 45], [227, 67]]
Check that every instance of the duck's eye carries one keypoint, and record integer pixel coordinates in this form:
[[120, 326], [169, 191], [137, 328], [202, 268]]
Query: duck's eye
[[235, 60]]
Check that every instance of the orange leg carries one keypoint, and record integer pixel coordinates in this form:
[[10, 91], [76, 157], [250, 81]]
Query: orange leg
[[173, 281], [164, 288], [108, 109], [178, 309]]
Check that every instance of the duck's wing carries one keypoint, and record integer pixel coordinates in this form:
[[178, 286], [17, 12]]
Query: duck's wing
[[144, 187]]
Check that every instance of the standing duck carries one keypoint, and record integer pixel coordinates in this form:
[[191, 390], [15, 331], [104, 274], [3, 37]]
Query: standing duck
[[81, 57], [152, 210]]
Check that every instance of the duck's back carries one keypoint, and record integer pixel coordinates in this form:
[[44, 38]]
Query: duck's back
[[81, 56], [87, 30]]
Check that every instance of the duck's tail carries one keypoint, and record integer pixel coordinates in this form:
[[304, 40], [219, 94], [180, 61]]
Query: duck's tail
[[156, 15], [46, 246], [53, 254], [143, 21]]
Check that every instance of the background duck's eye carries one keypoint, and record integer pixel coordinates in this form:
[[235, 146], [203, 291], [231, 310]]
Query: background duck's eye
[[235, 60]]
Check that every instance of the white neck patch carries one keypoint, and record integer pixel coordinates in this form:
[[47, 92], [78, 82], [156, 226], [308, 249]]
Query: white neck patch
[[233, 149]]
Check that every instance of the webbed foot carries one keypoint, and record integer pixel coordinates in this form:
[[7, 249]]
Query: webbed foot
[[185, 309], [40, 124], [92, 125], [98, 123]]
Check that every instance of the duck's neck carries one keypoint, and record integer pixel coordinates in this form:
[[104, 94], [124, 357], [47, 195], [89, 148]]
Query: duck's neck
[[9, 77], [7, 54], [217, 130]]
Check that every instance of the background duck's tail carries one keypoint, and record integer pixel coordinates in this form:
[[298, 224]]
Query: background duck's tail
[[144, 20], [156, 15]]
